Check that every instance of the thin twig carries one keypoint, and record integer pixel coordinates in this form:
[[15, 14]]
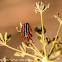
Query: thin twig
[[54, 41]]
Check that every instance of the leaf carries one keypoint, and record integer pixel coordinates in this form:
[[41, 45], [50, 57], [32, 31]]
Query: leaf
[[39, 37], [49, 42], [39, 31], [44, 29], [36, 29], [55, 54], [8, 37]]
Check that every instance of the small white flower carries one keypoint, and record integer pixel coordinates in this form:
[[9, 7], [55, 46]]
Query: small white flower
[[41, 7]]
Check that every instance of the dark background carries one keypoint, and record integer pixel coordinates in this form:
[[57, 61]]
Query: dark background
[[12, 12]]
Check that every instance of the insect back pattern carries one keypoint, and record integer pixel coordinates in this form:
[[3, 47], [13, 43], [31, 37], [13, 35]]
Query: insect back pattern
[[26, 31]]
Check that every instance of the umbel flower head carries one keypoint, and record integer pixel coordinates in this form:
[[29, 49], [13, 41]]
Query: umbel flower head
[[59, 18], [4, 39], [41, 7]]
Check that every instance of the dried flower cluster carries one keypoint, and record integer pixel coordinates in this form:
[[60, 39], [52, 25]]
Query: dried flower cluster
[[41, 7], [59, 18]]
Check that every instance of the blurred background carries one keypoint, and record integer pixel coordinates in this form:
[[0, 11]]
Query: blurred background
[[12, 12]]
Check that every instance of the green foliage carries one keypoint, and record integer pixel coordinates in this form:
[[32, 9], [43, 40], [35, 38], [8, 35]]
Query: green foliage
[[39, 31]]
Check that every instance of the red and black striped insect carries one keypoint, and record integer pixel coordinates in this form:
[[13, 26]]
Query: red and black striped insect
[[26, 31]]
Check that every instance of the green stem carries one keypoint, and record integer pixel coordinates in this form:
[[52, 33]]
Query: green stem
[[54, 41], [43, 41], [37, 50], [24, 52], [33, 56], [13, 48]]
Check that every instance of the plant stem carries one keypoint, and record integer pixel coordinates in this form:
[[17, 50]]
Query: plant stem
[[54, 41], [33, 56], [24, 52], [37, 50], [13, 48], [43, 41]]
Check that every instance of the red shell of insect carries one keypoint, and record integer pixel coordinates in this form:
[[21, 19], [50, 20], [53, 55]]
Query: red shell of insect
[[26, 31]]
